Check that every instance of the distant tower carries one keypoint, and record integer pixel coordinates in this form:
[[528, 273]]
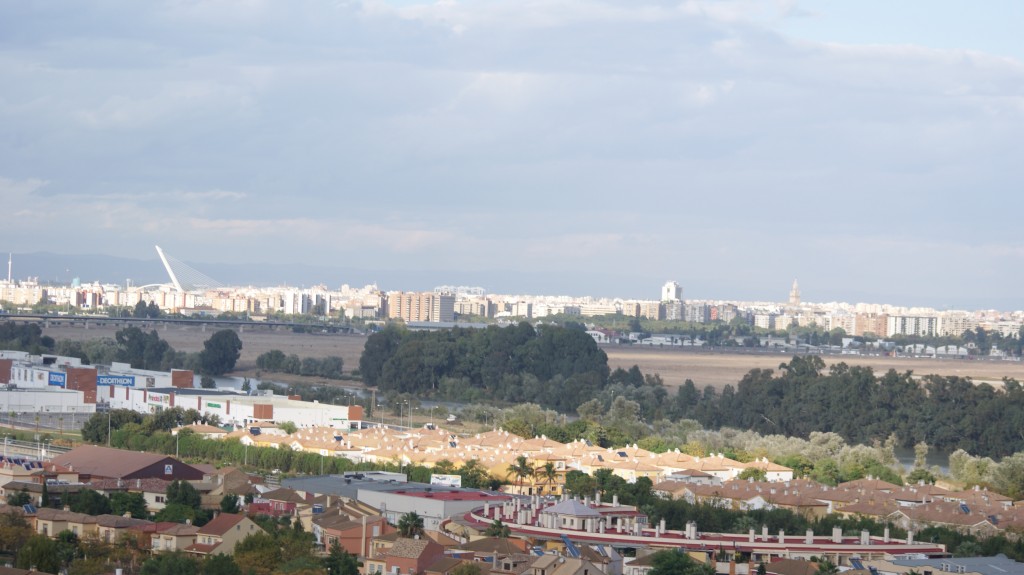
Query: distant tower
[[794, 295], [672, 300], [10, 261], [671, 291]]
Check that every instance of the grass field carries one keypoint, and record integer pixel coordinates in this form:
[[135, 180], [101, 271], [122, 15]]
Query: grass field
[[674, 365]]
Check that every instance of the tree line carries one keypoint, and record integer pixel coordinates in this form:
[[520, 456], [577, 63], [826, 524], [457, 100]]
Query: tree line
[[275, 361], [946, 412], [549, 365]]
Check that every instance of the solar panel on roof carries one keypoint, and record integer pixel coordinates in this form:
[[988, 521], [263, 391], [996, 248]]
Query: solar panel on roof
[[965, 508], [29, 508], [570, 547]]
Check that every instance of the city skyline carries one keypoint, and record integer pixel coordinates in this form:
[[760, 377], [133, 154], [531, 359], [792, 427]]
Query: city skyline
[[570, 146], [664, 291]]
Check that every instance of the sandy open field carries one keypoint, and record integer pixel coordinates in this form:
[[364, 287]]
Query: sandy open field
[[674, 365]]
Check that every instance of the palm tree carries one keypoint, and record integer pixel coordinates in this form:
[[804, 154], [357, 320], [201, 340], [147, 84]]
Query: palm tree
[[549, 474], [410, 524], [498, 529], [826, 567], [521, 468]]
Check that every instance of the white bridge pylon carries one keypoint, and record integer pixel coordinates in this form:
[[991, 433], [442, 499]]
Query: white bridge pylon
[[183, 276]]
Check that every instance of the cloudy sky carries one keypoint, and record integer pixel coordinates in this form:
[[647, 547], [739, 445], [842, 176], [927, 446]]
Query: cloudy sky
[[871, 149]]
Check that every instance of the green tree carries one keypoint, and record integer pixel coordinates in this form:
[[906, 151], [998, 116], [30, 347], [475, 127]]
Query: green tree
[[674, 562], [178, 513], [89, 502], [95, 428], [20, 498], [133, 503], [229, 503], [67, 548], [220, 564], [826, 567], [520, 468], [754, 473], [184, 493], [580, 484], [258, 554], [920, 474], [220, 353], [498, 529], [410, 524], [174, 563], [207, 382], [341, 562], [474, 475], [14, 531], [40, 553], [549, 474]]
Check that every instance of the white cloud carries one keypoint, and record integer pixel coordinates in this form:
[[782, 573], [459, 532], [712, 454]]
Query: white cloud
[[382, 132]]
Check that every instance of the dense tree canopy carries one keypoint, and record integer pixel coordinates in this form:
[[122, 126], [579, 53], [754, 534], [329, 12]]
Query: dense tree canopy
[[552, 365], [220, 352], [275, 361], [947, 413], [28, 337]]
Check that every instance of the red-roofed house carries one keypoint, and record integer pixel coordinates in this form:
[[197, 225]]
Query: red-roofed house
[[222, 533], [353, 535], [97, 461], [405, 556], [169, 536]]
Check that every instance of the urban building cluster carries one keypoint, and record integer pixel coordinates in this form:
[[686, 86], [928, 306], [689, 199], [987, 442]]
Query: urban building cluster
[[548, 534], [496, 450], [446, 304], [359, 511], [63, 385]]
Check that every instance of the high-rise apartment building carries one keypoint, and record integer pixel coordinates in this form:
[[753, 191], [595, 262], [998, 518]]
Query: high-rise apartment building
[[421, 306], [912, 325]]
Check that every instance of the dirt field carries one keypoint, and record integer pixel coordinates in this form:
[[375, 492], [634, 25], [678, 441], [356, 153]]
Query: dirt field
[[674, 365]]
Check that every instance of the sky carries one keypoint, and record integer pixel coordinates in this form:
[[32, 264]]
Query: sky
[[869, 149]]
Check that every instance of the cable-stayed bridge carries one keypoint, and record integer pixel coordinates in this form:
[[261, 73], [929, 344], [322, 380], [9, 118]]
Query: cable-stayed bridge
[[185, 277]]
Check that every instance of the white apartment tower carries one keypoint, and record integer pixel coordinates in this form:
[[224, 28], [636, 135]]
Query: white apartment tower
[[672, 298], [671, 291]]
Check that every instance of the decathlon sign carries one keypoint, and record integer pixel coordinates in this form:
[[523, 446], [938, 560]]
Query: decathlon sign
[[58, 379], [116, 380]]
